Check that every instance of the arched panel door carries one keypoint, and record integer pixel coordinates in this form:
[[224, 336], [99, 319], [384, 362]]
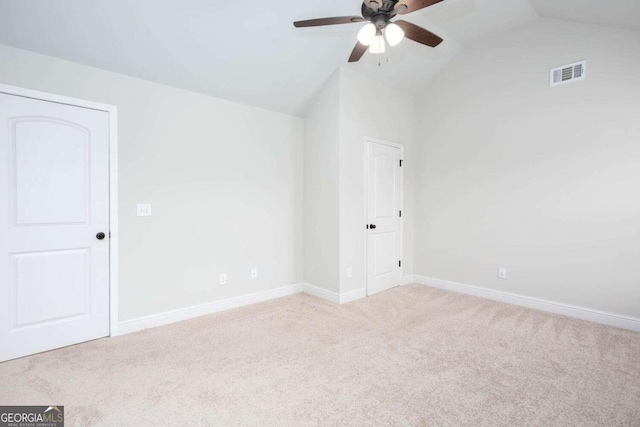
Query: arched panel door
[[54, 202], [384, 217]]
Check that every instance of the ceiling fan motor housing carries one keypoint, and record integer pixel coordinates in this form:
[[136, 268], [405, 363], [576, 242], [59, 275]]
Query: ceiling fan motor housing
[[373, 8], [374, 5]]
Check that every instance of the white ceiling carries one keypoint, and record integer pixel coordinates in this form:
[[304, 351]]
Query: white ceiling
[[610, 13], [248, 50]]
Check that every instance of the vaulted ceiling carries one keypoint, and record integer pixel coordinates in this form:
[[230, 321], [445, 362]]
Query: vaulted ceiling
[[611, 13], [248, 50]]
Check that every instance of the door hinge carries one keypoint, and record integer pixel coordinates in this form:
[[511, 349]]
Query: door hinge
[[399, 263], [400, 214], [109, 234], [400, 163]]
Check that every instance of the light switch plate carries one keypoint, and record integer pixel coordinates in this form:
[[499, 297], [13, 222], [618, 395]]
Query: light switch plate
[[144, 209], [254, 273], [349, 272], [223, 279], [502, 273]]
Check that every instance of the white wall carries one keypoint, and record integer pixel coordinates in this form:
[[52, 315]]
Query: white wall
[[541, 181], [224, 179], [369, 109], [349, 108], [321, 187]]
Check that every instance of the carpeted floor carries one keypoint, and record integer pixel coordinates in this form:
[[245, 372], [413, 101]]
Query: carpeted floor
[[407, 357]]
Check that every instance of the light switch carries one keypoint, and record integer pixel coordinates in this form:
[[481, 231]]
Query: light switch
[[144, 209]]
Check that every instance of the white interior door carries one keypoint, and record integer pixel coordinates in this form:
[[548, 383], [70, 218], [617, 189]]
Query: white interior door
[[54, 202], [384, 217]]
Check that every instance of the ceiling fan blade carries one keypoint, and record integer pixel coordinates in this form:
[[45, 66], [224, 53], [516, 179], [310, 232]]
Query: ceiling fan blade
[[419, 34], [328, 21], [407, 6], [358, 52]]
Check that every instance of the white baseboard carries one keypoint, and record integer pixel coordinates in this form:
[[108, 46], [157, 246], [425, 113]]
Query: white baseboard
[[597, 316], [334, 297], [141, 323], [321, 293], [346, 297], [408, 279], [186, 313]]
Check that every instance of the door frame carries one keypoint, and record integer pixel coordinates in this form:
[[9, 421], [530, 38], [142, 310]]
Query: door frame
[[367, 141], [112, 111]]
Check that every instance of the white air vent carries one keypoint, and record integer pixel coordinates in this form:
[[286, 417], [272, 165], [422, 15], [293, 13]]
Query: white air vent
[[569, 73]]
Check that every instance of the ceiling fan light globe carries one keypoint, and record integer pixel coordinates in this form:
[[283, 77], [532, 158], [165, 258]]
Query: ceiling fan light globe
[[367, 34], [394, 34], [378, 45]]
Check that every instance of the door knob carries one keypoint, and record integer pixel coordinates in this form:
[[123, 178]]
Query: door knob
[[372, 226], [100, 236]]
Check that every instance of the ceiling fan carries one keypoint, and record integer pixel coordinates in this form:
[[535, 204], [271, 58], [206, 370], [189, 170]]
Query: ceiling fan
[[378, 15]]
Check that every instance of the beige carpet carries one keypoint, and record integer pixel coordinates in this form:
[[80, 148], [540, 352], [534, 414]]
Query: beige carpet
[[410, 356]]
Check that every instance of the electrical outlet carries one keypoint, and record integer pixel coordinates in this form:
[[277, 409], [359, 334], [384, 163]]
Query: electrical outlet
[[349, 272], [502, 273], [223, 279], [144, 209], [254, 273]]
